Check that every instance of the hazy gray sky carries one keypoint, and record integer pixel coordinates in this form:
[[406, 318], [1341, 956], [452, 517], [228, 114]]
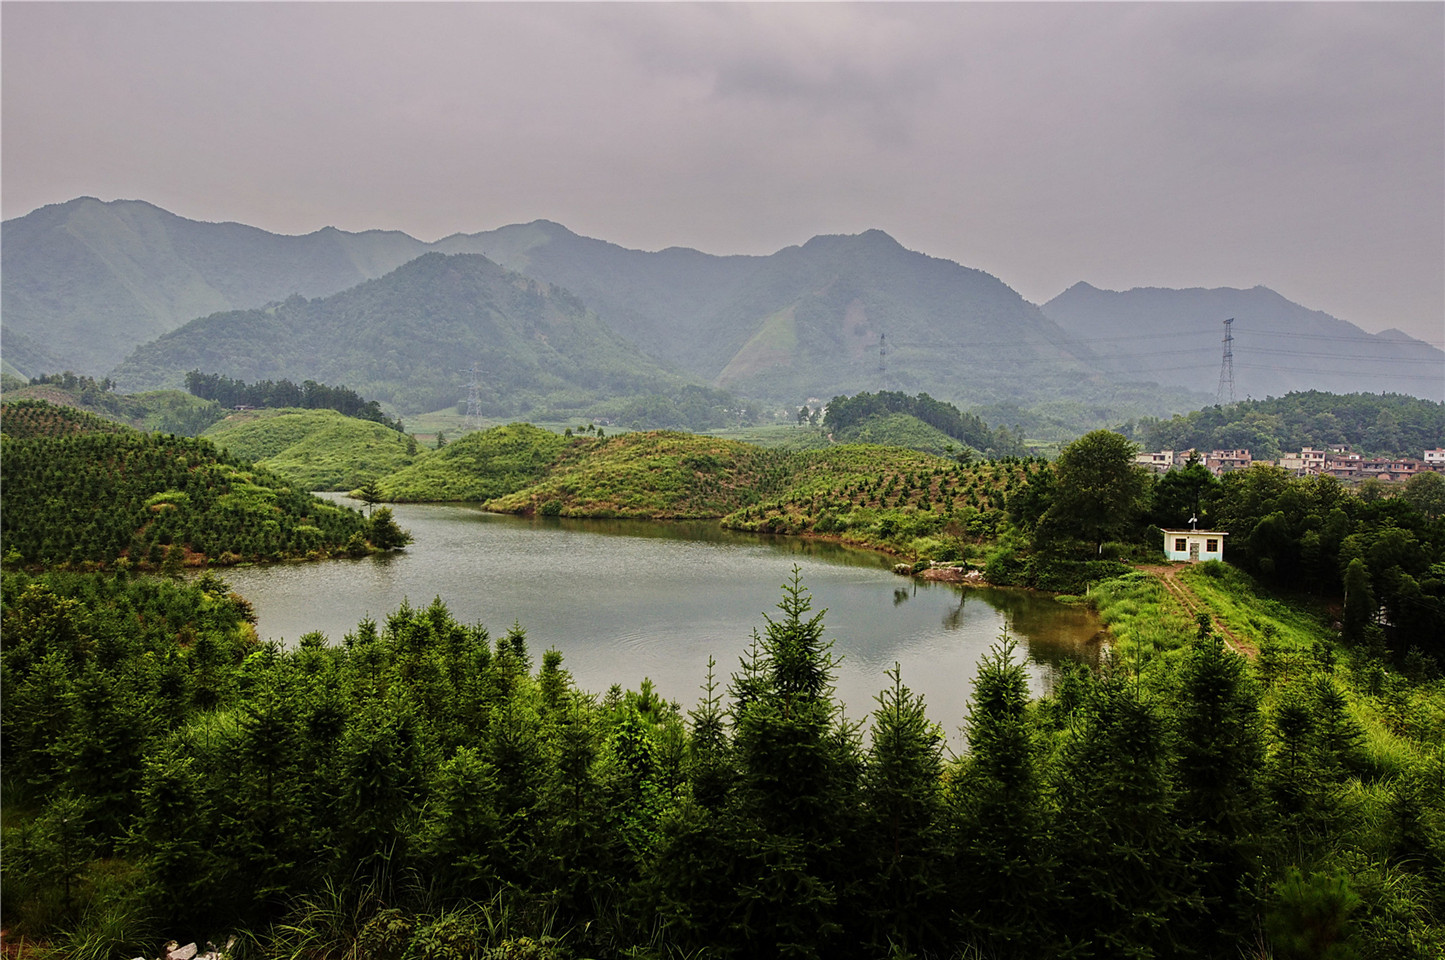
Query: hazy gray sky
[[1297, 145]]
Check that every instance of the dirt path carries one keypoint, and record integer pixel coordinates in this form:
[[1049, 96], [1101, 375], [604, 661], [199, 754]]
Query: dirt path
[[1168, 574]]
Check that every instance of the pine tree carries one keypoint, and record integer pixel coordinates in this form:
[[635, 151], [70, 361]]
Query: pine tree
[[793, 788], [1129, 881], [1220, 747], [903, 824], [1002, 887]]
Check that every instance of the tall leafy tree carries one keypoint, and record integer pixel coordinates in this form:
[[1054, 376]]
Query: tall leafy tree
[[1099, 490]]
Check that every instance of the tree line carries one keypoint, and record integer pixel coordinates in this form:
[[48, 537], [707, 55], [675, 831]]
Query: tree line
[[310, 395], [1373, 424]]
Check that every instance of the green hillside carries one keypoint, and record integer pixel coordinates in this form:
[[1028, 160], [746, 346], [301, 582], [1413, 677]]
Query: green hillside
[[906, 501], [27, 418], [661, 474], [167, 411], [410, 339], [316, 449], [899, 430], [93, 498], [480, 466]]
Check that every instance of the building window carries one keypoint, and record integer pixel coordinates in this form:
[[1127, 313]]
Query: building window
[[1179, 546], [1211, 546]]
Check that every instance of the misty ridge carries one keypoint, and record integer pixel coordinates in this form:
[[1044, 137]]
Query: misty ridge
[[552, 322]]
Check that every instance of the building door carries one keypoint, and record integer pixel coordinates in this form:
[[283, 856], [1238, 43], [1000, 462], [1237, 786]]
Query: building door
[[1194, 551]]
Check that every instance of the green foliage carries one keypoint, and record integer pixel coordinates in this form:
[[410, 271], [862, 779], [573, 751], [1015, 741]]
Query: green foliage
[[420, 790], [658, 474], [1309, 919], [870, 418], [308, 396], [168, 411], [1308, 533], [25, 418], [1098, 490], [383, 532]]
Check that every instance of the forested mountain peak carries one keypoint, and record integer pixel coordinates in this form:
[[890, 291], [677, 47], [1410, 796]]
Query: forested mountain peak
[[410, 339]]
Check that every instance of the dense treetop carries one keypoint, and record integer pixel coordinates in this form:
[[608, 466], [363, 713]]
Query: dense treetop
[[1375, 424], [422, 787], [157, 499]]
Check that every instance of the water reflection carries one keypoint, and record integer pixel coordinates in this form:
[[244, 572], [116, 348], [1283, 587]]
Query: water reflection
[[625, 599]]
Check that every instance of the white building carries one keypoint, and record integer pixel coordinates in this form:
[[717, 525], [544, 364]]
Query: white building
[[1194, 545]]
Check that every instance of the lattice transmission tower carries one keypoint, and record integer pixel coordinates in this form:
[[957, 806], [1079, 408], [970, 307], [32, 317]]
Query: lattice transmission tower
[[1226, 366], [474, 402], [883, 361]]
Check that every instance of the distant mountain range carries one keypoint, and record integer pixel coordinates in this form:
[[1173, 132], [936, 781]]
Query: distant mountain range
[[86, 283], [1176, 337]]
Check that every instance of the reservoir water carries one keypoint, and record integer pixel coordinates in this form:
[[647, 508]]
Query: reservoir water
[[624, 600]]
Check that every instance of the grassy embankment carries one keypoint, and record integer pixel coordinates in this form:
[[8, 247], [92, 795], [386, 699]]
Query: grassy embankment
[[1398, 719]]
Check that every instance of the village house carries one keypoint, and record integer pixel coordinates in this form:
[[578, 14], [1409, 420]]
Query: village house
[[1221, 462], [1386, 468], [1194, 545], [1160, 462]]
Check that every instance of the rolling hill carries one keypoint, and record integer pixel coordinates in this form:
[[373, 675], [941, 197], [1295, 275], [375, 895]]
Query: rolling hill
[[86, 281], [79, 490], [315, 449]]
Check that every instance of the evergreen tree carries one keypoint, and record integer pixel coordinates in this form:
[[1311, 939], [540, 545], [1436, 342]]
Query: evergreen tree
[[384, 533], [1002, 886], [1220, 747], [792, 789], [1130, 884], [904, 825]]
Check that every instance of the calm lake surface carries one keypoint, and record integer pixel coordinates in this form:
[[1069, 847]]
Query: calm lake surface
[[623, 600]]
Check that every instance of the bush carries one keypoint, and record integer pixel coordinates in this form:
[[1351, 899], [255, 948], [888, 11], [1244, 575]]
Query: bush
[[1005, 568]]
